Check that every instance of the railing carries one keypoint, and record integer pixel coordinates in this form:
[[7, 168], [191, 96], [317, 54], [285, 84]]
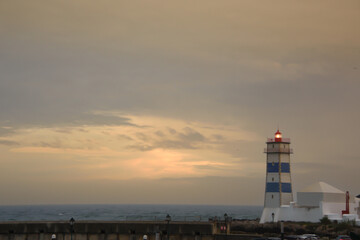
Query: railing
[[161, 218], [278, 150], [284, 140]]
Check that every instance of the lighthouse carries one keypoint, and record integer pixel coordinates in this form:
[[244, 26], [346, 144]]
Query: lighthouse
[[278, 188], [313, 203]]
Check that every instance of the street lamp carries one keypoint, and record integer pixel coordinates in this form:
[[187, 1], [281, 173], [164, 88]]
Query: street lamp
[[282, 229], [167, 219], [72, 222], [225, 220]]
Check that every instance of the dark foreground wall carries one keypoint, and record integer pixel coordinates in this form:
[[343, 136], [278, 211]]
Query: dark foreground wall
[[87, 230]]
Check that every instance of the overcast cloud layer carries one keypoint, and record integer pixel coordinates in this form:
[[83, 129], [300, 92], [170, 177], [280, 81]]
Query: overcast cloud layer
[[174, 99]]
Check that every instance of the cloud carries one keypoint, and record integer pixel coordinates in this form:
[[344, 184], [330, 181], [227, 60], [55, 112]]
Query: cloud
[[186, 138], [126, 137], [164, 148], [8, 143], [190, 134], [141, 147], [199, 86], [106, 118], [6, 131]]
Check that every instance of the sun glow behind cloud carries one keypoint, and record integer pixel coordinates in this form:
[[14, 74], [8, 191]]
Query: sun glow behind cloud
[[145, 147]]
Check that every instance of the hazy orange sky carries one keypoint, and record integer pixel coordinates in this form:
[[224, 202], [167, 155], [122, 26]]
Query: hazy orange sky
[[172, 101]]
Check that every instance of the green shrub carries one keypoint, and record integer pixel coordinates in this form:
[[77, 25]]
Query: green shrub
[[344, 226], [325, 221]]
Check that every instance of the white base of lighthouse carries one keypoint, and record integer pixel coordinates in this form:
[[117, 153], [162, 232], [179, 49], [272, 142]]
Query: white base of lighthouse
[[291, 212], [270, 215]]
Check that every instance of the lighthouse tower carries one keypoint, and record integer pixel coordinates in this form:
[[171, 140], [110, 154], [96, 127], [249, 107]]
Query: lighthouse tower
[[278, 189]]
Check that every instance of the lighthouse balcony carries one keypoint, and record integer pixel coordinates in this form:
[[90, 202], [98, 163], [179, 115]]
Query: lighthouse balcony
[[278, 150], [283, 140]]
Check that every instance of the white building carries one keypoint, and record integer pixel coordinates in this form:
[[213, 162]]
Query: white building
[[313, 202]]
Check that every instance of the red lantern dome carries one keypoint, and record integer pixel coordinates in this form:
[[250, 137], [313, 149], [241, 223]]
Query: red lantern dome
[[278, 136]]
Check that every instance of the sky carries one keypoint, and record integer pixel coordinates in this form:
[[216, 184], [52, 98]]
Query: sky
[[171, 102]]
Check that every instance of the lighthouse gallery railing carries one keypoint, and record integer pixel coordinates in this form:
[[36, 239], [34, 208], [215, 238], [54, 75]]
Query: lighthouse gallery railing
[[278, 150]]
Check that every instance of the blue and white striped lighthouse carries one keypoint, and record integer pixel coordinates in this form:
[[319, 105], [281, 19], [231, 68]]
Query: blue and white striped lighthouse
[[278, 190]]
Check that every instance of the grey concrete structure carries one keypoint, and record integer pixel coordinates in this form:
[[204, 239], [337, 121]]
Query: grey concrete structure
[[111, 230]]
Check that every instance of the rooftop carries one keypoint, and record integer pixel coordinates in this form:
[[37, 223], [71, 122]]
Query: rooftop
[[322, 187]]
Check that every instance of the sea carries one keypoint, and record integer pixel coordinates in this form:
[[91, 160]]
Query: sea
[[123, 212]]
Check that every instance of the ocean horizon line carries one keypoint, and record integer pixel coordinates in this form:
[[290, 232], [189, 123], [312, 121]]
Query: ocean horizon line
[[120, 212]]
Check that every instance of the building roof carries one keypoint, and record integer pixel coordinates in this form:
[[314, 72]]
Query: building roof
[[322, 187]]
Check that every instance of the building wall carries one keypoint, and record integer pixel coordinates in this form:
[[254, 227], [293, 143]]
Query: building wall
[[286, 198], [272, 199], [272, 194], [101, 237], [272, 177], [268, 213], [309, 199], [285, 177], [108, 230], [273, 158], [336, 197], [278, 190], [285, 158], [299, 214], [277, 146], [337, 208]]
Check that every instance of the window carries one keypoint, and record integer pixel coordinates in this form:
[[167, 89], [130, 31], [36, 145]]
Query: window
[[272, 179], [272, 196]]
